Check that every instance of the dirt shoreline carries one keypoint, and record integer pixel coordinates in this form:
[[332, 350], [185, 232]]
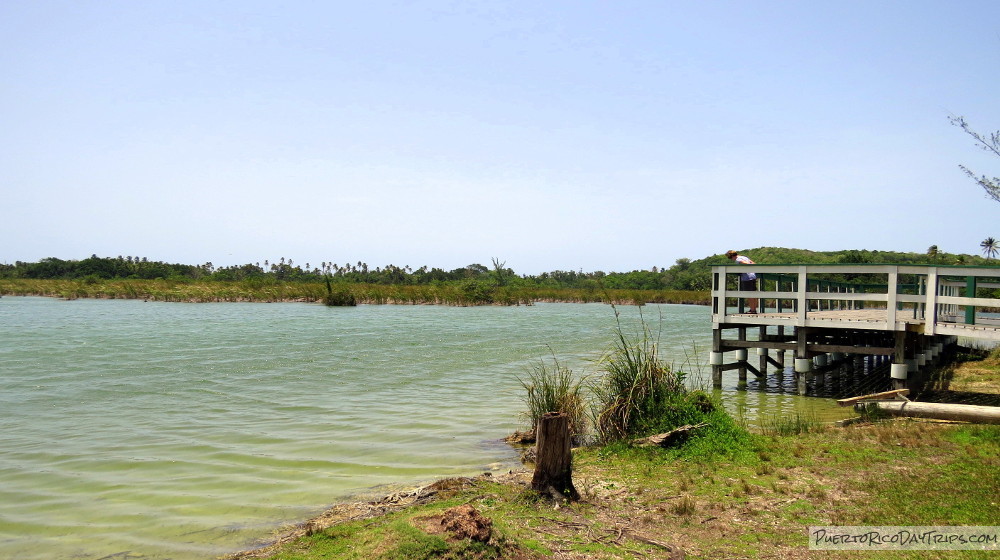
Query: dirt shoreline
[[367, 509]]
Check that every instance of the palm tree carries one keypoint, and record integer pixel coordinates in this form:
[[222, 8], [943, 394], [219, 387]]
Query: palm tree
[[990, 247], [932, 252]]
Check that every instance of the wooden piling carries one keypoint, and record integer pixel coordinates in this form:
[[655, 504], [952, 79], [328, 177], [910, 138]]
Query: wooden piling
[[742, 383], [717, 350]]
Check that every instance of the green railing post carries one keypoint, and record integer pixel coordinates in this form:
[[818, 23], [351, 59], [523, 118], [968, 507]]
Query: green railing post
[[970, 291]]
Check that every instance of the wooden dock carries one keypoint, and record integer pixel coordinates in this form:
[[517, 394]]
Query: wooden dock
[[909, 316]]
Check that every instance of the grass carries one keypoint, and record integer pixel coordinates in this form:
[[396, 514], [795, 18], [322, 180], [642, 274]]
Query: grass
[[795, 424], [644, 503]]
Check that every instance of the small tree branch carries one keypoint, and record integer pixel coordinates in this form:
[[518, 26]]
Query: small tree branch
[[991, 144]]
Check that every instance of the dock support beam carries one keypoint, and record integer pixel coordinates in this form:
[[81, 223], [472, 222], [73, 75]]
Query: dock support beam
[[716, 358], [900, 367], [741, 356], [803, 363]]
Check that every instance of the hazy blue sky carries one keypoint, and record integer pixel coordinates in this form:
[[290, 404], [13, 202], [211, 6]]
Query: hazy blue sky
[[553, 135]]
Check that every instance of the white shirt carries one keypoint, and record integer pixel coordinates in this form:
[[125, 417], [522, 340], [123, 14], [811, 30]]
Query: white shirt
[[746, 275]]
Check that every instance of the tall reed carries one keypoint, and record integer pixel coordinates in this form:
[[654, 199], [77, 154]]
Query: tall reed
[[554, 389], [636, 386]]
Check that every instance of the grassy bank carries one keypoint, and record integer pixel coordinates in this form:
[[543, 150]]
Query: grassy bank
[[652, 503], [269, 290]]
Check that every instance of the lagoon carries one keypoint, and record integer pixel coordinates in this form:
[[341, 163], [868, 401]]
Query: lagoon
[[186, 431]]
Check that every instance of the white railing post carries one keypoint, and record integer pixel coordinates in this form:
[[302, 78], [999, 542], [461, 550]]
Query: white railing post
[[893, 294], [720, 291], [930, 307], [801, 295]]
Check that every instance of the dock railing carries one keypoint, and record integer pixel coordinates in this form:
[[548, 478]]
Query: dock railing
[[959, 300]]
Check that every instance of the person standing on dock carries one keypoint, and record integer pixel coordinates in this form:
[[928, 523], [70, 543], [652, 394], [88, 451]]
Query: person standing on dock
[[748, 280]]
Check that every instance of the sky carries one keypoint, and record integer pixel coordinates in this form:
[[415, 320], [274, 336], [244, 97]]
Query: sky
[[555, 135]]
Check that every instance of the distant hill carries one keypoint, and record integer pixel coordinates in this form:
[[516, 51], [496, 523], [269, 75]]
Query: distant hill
[[695, 275]]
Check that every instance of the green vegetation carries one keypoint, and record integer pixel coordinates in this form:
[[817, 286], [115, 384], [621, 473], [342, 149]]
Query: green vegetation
[[272, 290], [475, 284], [339, 297], [636, 394], [686, 281], [790, 425]]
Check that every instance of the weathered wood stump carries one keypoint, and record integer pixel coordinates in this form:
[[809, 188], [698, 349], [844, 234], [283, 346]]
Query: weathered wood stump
[[554, 461]]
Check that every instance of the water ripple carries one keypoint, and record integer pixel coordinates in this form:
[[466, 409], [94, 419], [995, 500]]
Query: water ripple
[[186, 431]]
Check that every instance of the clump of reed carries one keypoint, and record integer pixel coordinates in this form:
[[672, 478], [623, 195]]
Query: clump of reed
[[636, 386], [339, 297], [635, 393], [554, 388]]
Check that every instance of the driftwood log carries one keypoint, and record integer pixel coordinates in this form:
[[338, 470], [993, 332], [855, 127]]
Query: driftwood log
[[942, 411], [667, 439], [554, 461]]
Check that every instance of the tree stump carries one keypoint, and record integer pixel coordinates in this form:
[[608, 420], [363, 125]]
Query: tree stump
[[553, 463]]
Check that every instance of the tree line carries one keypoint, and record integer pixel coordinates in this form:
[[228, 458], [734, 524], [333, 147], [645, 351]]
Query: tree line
[[286, 270], [684, 274]]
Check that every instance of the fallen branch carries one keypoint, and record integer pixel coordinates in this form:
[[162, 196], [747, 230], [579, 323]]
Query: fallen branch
[[675, 553]]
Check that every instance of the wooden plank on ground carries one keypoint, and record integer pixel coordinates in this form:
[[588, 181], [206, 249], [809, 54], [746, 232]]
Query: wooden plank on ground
[[883, 395]]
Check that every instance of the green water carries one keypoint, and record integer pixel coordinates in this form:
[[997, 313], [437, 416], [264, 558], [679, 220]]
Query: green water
[[186, 431]]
